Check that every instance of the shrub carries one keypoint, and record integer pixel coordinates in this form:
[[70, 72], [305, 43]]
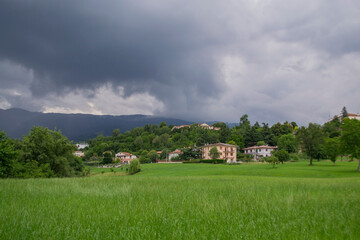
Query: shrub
[[272, 160], [214, 161], [192, 161], [282, 155], [134, 166], [294, 157]]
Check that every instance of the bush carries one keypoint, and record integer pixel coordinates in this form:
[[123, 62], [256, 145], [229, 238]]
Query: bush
[[192, 161], [294, 157], [272, 160], [213, 161], [134, 166], [282, 155]]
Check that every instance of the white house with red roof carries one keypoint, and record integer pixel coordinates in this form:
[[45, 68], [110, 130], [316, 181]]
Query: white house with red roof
[[174, 154], [260, 151], [125, 157]]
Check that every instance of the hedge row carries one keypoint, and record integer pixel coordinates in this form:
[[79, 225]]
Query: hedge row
[[213, 161]]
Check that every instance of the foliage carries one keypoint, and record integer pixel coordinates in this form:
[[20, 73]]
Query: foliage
[[192, 161], [47, 153], [311, 139], [214, 153], [332, 148], [108, 157], [288, 143], [134, 166], [272, 160], [8, 156], [282, 155], [344, 113], [350, 139], [153, 156], [214, 161]]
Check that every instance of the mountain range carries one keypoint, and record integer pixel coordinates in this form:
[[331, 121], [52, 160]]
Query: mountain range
[[77, 127]]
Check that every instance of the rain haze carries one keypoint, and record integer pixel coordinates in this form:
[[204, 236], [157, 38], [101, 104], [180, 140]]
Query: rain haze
[[195, 60]]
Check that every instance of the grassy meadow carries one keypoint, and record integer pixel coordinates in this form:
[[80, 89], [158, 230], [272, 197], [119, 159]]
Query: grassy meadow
[[188, 201]]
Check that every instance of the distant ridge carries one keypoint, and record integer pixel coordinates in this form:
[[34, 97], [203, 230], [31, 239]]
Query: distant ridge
[[17, 122]]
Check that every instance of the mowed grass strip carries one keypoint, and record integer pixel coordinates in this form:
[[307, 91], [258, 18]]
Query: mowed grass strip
[[182, 207]]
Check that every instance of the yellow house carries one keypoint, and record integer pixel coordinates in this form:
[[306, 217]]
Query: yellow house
[[227, 151]]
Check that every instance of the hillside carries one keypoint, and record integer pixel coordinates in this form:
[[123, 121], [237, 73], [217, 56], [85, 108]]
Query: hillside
[[78, 127]]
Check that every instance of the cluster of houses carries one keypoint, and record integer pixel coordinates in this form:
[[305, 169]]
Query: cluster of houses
[[203, 125], [226, 151]]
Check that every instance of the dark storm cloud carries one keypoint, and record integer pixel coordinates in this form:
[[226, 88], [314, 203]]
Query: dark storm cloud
[[201, 59], [77, 44]]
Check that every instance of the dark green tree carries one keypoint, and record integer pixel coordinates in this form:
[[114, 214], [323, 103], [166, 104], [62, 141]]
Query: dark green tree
[[332, 148], [107, 157], [311, 140], [8, 156], [350, 138], [214, 153], [134, 166], [282, 155], [287, 142], [50, 153], [344, 113]]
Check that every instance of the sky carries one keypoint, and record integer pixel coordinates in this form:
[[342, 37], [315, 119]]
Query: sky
[[274, 60]]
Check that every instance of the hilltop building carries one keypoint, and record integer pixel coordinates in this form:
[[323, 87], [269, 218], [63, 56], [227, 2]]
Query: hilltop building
[[203, 125], [82, 145]]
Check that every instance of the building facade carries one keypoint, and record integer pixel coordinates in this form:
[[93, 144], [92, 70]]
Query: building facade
[[174, 154], [260, 151], [227, 151], [125, 157]]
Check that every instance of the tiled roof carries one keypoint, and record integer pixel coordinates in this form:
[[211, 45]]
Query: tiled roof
[[258, 147], [219, 144]]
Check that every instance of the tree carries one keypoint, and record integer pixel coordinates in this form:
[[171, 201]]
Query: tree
[[108, 158], [48, 153], [260, 143], [214, 153], [116, 132], [344, 113], [311, 140], [350, 138], [282, 155], [153, 156], [8, 156], [163, 124], [134, 167], [272, 160], [332, 128], [332, 148], [288, 143]]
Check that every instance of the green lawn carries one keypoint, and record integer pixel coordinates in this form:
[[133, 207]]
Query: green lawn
[[188, 201]]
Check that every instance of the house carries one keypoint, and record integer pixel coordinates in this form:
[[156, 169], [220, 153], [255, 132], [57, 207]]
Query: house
[[181, 126], [227, 151], [174, 154], [350, 116], [260, 151], [207, 126], [79, 154], [82, 145], [125, 157]]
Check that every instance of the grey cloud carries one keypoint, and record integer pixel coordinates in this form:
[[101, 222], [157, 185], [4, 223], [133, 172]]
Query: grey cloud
[[174, 51]]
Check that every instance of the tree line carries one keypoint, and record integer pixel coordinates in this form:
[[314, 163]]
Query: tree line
[[47, 153]]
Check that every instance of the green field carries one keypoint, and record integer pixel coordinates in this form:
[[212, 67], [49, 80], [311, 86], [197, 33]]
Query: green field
[[188, 201]]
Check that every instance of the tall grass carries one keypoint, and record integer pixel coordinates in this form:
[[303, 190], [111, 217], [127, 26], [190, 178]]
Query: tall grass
[[224, 206]]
